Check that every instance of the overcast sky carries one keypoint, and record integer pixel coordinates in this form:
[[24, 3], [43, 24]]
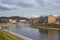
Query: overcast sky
[[28, 8]]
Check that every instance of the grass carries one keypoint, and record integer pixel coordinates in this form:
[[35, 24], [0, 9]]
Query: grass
[[36, 26], [7, 36], [50, 27]]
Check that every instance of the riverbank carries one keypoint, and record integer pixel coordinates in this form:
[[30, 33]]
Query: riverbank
[[45, 27], [21, 36], [7, 24], [7, 36]]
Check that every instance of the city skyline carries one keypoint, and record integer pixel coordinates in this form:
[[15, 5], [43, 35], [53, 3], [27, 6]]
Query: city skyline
[[28, 8]]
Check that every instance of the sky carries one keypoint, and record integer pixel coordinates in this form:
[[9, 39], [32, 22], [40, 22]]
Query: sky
[[29, 8]]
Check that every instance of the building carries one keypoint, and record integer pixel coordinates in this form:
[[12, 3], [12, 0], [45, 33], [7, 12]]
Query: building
[[34, 20], [51, 19], [43, 20], [12, 20], [4, 19], [23, 21], [18, 18], [57, 21], [47, 19]]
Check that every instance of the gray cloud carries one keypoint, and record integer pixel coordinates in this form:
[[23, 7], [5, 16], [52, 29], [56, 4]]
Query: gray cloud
[[24, 5], [33, 3], [41, 6], [18, 3], [7, 6]]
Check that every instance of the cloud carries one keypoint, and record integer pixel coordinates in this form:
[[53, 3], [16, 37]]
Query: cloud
[[25, 5], [8, 6], [4, 7], [22, 3], [44, 5], [33, 3]]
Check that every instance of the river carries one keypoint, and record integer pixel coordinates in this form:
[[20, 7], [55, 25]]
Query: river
[[33, 33]]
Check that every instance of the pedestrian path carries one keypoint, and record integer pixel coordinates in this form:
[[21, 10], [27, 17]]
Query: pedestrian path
[[7, 36]]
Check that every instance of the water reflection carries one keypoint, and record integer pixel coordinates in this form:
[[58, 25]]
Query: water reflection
[[36, 34], [50, 34]]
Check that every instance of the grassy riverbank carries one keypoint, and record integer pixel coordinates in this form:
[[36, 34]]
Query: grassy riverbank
[[7, 36], [38, 26], [45, 26]]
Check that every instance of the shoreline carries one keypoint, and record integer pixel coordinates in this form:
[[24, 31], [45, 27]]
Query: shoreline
[[18, 35], [43, 27]]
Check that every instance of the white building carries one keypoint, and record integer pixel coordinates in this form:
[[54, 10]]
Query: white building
[[12, 21], [22, 20]]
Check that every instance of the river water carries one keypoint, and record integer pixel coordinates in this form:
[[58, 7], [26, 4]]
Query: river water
[[33, 33]]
